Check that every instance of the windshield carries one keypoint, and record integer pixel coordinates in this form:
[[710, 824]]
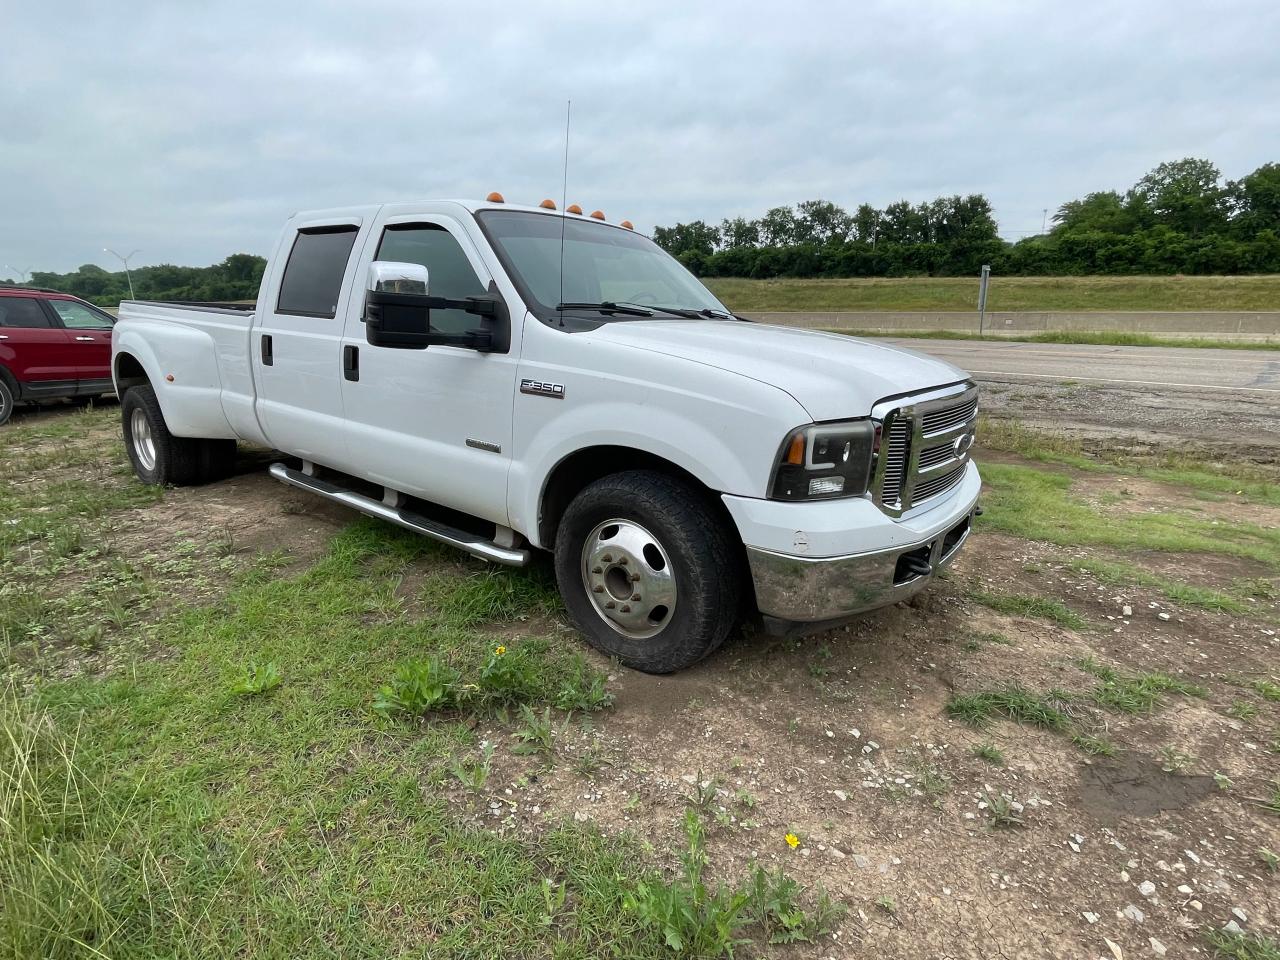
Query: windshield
[[602, 264]]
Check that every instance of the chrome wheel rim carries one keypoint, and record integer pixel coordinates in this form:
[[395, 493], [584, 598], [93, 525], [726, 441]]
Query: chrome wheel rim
[[629, 578], [144, 445]]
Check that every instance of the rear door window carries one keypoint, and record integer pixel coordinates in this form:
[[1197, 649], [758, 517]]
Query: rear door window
[[312, 280], [449, 272], [22, 312]]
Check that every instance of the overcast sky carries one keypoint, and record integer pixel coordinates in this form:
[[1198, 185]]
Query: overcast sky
[[192, 131]]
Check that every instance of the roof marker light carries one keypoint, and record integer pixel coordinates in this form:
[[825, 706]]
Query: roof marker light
[[597, 214], [548, 204], [627, 224], [573, 208], [495, 197]]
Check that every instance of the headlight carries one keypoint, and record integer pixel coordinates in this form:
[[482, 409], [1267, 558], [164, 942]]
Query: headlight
[[825, 460]]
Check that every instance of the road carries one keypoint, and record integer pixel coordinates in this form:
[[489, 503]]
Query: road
[[1161, 369]]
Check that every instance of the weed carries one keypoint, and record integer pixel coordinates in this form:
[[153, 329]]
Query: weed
[[1221, 780], [1173, 760], [704, 792], [931, 782], [1019, 605], [1268, 690], [588, 763], [536, 733], [989, 752], [886, 904], [1272, 803], [1017, 704], [1270, 859], [694, 919], [745, 799], [258, 678], [1001, 811], [1094, 744], [553, 896], [473, 774], [418, 688], [583, 689], [772, 904], [510, 675], [1242, 946], [1242, 710]]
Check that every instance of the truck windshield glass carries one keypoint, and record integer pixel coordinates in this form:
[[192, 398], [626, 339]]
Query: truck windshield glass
[[602, 264]]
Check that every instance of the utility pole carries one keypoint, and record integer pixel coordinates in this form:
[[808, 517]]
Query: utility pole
[[125, 261], [23, 275], [1044, 221]]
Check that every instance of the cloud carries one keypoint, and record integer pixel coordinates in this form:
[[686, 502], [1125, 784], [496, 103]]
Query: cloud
[[194, 131]]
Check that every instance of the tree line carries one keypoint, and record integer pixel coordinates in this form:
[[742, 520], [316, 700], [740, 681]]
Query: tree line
[[235, 278], [1179, 218]]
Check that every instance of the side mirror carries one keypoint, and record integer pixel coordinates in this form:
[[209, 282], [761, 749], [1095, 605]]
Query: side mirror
[[398, 305]]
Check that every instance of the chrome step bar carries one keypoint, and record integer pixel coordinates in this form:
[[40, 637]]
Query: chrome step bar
[[475, 545]]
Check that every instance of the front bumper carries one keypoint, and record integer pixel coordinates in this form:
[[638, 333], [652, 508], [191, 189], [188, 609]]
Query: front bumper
[[804, 589]]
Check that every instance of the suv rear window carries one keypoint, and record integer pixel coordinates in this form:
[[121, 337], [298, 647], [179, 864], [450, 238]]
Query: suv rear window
[[313, 276], [22, 312]]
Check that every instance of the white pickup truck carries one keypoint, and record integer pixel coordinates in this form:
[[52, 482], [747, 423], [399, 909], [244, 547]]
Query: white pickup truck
[[509, 379]]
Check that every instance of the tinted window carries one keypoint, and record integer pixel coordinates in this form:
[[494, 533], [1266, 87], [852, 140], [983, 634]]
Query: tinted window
[[22, 312], [449, 272], [313, 276], [79, 317]]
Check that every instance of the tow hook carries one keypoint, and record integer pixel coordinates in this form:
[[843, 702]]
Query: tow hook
[[919, 566]]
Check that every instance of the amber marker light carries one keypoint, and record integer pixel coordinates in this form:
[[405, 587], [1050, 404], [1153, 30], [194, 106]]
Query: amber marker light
[[795, 452], [597, 214], [573, 208], [548, 204], [495, 197], [627, 224]]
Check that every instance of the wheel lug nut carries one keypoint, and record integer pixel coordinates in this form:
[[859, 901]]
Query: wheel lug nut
[[625, 608], [597, 569], [610, 605], [635, 596], [607, 558], [622, 560], [597, 589], [635, 578]]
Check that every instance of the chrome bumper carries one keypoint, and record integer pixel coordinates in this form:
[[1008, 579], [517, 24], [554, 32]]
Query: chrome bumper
[[809, 589]]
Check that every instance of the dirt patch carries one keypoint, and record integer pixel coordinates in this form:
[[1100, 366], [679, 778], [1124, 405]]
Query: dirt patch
[[1137, 787]]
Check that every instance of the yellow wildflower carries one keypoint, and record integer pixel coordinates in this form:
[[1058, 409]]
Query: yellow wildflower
[[793, 841], [499, 651]]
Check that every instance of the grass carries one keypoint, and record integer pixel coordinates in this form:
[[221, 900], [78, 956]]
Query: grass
[[1112, 338], [1195, 471], [1242, 946], [1019, 605], [1138, 693], [1006, 293], [1015, 703], [1038, 504], [1125, 574], [989, 752], [210, 823]]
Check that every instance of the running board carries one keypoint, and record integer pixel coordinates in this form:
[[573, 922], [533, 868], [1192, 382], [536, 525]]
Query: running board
[[474, 545]]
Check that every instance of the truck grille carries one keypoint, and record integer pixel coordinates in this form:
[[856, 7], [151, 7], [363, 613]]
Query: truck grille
[[926, 447]]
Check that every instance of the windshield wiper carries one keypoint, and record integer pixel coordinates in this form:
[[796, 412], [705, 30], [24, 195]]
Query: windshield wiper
[[608, 306], [687, 313]]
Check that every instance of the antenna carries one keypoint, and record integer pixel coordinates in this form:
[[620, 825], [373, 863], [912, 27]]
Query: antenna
[[564, 202]]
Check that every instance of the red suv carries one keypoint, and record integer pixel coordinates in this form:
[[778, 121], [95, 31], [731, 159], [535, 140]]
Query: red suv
[[51, 345]]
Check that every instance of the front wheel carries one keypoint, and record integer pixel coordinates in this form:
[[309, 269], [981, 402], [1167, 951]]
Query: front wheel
[[648, 572]]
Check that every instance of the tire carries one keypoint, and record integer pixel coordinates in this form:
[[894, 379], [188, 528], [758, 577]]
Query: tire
[[658, 536], [158, 457], [6, 401]]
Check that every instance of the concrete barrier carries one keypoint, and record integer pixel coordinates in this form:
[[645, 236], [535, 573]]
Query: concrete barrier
[[1263, 325]]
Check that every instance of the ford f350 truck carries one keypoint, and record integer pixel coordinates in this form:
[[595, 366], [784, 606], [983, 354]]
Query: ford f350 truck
[[509, 379]]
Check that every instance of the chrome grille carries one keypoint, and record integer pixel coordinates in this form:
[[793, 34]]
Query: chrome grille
[[926, 446], [895, 460]]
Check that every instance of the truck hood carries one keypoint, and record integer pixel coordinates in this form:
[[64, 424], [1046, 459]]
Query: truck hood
[[832, 376]]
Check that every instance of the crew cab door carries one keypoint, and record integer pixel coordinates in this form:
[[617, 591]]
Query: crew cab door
[[89, 332], [434, 423], [296, 341], [34, 349]]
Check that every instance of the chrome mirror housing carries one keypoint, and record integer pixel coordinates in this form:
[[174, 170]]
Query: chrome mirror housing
[[386, 276]]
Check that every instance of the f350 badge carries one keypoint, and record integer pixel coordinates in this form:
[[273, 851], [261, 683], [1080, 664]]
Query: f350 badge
[[540, 388]]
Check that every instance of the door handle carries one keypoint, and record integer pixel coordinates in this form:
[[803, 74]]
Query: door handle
[[4, 336], [351, 362], [267, 357], [89, 339]]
